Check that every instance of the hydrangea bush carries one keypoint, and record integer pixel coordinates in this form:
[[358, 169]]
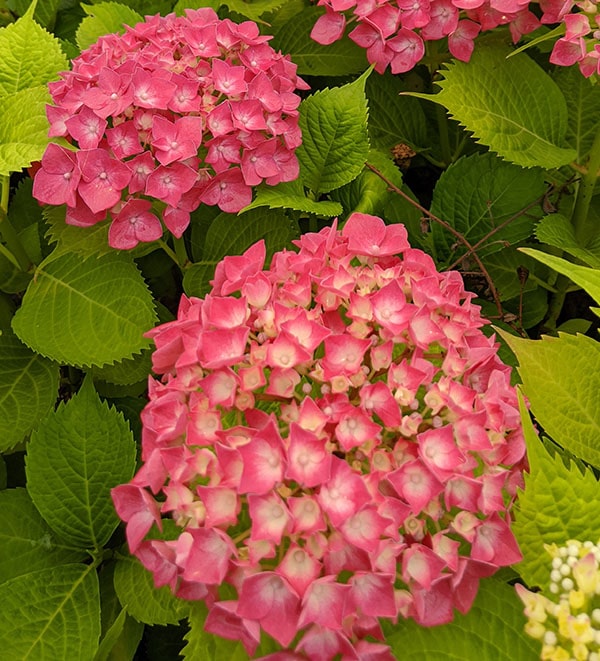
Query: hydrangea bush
[[176, 112], [334, 437]]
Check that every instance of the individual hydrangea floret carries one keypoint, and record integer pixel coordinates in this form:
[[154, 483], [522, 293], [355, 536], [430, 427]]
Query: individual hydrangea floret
[[176, 112], [568, 622], [333, 441], [394, 32]]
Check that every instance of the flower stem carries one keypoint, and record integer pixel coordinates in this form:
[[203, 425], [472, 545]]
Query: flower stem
[[182, 256], [13, 250], [584, 226], [170, 252]]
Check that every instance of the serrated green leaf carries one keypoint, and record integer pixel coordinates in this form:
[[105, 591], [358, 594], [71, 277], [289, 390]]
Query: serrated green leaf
[[146, 7], [335, 141], [27, 543], [29, 56], [394, 119], [503, 268], [23, 128], [90, 311], [204, 645], [491, 631], [253, 10], [126, 372], [341, 58], [104, 18], [504, 103], [232, 235], [476, 195], [290, 195], [50, 614], [556, 505], [557, 231], [587, 278], [566, 402], [583, 109], [134, 586], [182, 5], [45, 11], [71, 239], [28, 389], [77, 455]]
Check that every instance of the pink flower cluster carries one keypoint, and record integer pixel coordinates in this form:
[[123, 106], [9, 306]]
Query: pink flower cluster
[[334, 440], [175, 112], [394, 32]]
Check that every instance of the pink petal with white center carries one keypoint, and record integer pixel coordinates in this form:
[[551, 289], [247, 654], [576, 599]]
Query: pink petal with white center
[[373, 594], [139, 509], [87, 128], [57, 180], [355, 428], [340, 556], [365, 528], [270, 517], [324, 603], [204, 555], [323, 644], [466, 524], [495, 543], [220, 387], [169, 183], [309, 334], [462, 492], [438, 450], [344, 494], [224, 311], [103, 179], [422, 330], [368, 235], [284, 352], [390, 308], [421, 565], [446, 549], [311, 417], [222, 505], [221, 348], [223, 620], [377, 397], [307, 515], [299, 568], [268, 598], [159, 558], [149, 91], [415, 484], [282, 382], [124, 140], [134, 223], [309, 463], [264, 466], [434, 605], [228, 79], [491, 498], [343, 355]]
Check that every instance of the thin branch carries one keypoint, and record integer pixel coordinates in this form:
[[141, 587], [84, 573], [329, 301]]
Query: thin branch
[[450, 229]]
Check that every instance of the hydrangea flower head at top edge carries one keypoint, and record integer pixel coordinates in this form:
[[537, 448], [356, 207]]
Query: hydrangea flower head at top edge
[[175, 112], [333, 440], [394, 32]]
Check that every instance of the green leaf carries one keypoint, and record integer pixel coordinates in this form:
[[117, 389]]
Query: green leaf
[[72, 239], [476, 195], [104, 18], [29, 56], [90, 311], [565, 402], [504, 103], [503, 268], [394, 119], [335, 142], [28, 389], [557, 504], [126, 372], [45, 10], [588, 279], [23, 128], [135, 588], [27, 543], [290, 195], [232, 235], [556, 230], [204, 645], [50, 614], [341, 58], [182, 5], [77, 455], [583, 109], [491, 631], [253, 10]]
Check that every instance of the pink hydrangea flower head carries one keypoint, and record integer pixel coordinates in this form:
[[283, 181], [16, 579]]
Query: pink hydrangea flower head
[[175, 112], [336, 435]]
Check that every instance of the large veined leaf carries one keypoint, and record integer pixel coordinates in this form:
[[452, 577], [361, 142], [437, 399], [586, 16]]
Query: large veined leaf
[[335, 141], [476, 195], [557, 504], [491, 631], [90, 311], [134, 586], [77, 455], [45, 10], [290, 195], [504, 103], [23, 128], [341, 58], [29, 56], [561, 379], [27, 543], [556, 230], [50, 614], [394, 119], [28, 389], [504, 267], [70, 238], [104, 18], [232, 235], [583, 109]]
